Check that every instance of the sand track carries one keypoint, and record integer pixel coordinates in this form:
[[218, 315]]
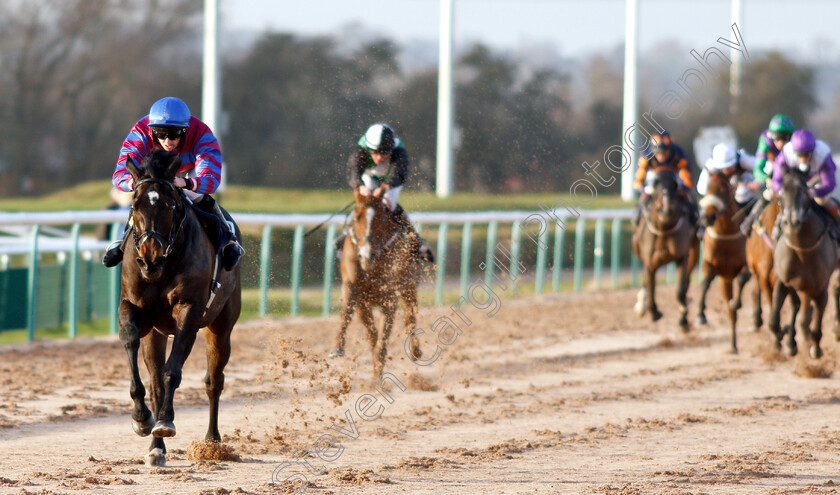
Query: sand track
[[553, 394]]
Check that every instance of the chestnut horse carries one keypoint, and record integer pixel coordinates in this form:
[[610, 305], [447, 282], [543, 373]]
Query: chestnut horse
[[378, 268], [166, 277], [724, 253], [665, 235], [805, 257]]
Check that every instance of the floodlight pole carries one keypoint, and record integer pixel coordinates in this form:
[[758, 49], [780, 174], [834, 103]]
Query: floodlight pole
[[445, 176], [211, 93], [735, 68], [631, 35]]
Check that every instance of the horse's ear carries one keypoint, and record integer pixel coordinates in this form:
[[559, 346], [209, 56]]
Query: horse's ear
[[133, 169], [174, 166], [379, 192], [358, 196]]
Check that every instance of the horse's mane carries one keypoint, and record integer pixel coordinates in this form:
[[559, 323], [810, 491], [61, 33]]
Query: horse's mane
[[157, 164]]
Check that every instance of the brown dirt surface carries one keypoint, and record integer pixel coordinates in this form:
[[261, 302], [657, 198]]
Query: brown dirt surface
[[565, 393]]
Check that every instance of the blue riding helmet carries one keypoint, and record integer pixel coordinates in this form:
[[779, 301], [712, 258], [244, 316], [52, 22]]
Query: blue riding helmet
[[169, 111]]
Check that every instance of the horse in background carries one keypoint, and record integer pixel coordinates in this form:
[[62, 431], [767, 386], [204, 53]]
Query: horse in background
[[664, 235], [760, 249], [805, 257], [724, 252], [378, 268], [166, 279]]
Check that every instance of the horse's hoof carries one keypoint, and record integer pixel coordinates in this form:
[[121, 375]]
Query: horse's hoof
[[336, 353], [155, 458], [734, 305], [143, 428], [755, 329], [816, 352], [656, 315], [701, 320], [684, 327], [164, 429], [792, 350]]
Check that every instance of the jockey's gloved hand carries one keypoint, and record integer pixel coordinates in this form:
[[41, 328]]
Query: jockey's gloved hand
[[179, 182]]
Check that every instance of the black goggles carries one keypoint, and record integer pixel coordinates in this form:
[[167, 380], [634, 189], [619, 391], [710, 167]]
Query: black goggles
[[780, 136], [172, 133]]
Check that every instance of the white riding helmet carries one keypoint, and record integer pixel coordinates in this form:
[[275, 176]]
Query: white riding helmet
[[723, 157]]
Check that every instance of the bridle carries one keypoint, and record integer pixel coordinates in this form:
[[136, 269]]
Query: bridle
[[154, 235], [356, 240]]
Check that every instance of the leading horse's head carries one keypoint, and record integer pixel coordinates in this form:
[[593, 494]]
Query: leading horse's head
[[372, 231], [666, 207], [795, 201], [157, 210], [718, 200]]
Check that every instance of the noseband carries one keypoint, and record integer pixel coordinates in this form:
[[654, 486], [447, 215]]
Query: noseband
[[155, 235], [355, 239]]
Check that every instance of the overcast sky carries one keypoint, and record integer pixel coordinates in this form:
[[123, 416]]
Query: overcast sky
[[808, 29]]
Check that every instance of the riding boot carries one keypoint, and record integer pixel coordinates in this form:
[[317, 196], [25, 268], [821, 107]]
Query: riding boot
[[233, 251], [339, 245], [420, 249], [833, 209], [114, 254], [641, 208]]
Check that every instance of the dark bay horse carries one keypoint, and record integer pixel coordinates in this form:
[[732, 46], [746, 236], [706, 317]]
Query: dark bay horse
[[760, 249], [664, 235], [378, 268], [166, 276], [724, 253], [804, 260]]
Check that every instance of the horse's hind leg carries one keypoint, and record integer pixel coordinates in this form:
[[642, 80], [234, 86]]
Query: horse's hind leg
[[409, 298], [709, 273], [141, 417], [217, 338]]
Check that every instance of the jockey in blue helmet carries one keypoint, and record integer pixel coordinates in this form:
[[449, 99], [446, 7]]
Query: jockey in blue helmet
[[171, 126]]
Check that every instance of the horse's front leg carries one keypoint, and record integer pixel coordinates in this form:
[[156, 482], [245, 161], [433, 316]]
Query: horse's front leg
[[187, 320], [130, 319], [815, 335], [726, 290], [380, 353], [349, 298], [683, 273], [709, 273], [409, 299], [835, 295], [743, 278], [153, 347], [780, 293], [650, 288]]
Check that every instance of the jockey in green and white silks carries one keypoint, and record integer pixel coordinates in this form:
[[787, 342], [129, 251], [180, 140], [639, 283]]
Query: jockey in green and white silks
[[381, 159]]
